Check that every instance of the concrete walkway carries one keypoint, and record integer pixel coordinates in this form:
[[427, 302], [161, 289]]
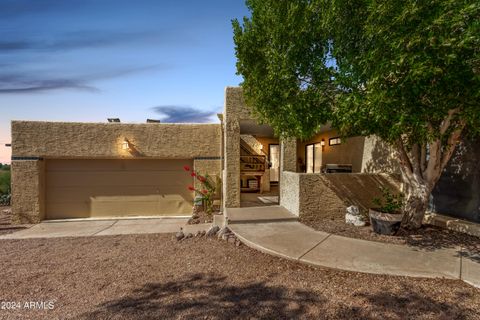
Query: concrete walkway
[[294, 240], [86, 228]]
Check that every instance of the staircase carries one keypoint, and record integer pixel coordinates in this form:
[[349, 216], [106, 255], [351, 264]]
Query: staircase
[[252, 164]]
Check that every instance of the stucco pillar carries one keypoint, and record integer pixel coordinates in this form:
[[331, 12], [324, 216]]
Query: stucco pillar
[[28, 203], [231, 185], [288, 157]]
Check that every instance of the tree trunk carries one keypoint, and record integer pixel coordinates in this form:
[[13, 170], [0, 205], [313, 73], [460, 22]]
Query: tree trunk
[[417, 196]]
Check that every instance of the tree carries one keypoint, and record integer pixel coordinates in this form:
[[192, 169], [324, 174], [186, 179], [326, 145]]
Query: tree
[[406, 71]]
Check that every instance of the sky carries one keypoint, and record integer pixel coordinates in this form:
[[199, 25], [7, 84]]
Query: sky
[[89, 60]]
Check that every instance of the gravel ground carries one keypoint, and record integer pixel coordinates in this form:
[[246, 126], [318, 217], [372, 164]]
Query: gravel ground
[[156, 277], [427, 237], [5, 222]]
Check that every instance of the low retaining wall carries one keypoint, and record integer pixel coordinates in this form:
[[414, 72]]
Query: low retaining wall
[[309, 193]]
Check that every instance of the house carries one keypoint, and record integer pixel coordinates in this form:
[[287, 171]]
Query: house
[[90, 170]]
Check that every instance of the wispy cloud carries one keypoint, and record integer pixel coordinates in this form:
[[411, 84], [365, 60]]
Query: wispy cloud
[[28, 82], [185, 114], [85, 39]]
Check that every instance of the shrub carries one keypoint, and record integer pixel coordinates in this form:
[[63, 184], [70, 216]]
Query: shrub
[[207, 190], [391, 203]]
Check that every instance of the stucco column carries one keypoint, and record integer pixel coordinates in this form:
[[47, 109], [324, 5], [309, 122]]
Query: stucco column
[[288, 154], [28, 204], [231, 185]]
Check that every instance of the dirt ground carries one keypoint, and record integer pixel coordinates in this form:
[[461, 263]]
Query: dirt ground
[[156, 277], [427, 237]]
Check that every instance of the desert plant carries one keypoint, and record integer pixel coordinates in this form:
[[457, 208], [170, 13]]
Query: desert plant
[[5, 181], [207, 190], [389, 203], [5, 199]]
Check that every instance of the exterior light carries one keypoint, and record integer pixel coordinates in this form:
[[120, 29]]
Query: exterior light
[[125, 145], [322, 143]]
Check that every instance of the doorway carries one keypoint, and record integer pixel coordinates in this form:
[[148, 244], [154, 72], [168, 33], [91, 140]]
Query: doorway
[[313, 158], [274, 160]]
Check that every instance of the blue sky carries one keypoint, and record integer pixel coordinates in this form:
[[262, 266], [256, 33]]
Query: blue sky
[[88, 60]]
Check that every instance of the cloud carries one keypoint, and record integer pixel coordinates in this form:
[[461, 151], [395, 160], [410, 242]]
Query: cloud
[[185, 114], [28, 82], [85, 39], [45, 85]]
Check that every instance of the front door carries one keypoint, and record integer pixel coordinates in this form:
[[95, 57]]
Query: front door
[[274, 159], [313, 157]]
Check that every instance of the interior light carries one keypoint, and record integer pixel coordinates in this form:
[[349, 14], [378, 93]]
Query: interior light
[[125, 145]]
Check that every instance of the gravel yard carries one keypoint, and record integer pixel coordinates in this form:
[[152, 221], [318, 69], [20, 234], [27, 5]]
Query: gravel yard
[[154, 276], [427, 237]]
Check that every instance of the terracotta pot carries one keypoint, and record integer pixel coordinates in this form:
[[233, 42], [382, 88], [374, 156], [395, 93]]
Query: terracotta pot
[[385, 223]]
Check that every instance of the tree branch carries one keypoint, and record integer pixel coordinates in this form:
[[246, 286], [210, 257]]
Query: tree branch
[[447, 121], [451, 144], [404, 160]]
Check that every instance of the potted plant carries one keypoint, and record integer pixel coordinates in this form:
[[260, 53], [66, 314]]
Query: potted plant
[[387, 217]]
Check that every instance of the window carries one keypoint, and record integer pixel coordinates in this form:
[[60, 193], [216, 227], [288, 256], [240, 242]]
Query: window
[[334, 141], [313, 157]]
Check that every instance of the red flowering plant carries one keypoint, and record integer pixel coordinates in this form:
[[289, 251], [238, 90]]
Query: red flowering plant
[[207, 189]]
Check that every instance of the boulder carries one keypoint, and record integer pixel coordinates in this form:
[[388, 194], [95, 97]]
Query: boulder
[[222, 231], [353, 216], [212, 231], [179, 235]]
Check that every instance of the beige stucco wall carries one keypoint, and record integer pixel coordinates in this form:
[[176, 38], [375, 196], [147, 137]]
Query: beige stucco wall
[[379, 157], [235, 111], [289, 191], [28, 199], [325, 194], [62, 140], [350, 151]]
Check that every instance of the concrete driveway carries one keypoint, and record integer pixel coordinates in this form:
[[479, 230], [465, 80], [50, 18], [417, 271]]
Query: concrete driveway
[[85, 228]]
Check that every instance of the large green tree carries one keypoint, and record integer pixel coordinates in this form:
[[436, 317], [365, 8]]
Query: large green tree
[[406, 71]]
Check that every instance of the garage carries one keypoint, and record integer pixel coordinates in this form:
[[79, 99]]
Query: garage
[[117, 188]]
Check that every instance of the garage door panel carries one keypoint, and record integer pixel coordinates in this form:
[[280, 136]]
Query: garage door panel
[[74, 194], [119, 178], [100, 188], [117, 165]]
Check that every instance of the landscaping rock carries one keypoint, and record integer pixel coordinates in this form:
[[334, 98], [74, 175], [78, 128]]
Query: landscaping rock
[[7, 211], [232, 239], [179, 235], [212, 231], [223, 231], [188, 235], [353, 216], [238, 243]]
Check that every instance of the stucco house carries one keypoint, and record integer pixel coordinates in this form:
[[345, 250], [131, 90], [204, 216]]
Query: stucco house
[[89, 170]]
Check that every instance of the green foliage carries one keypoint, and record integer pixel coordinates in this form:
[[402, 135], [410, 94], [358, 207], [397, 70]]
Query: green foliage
[[5, 181], [208, 188], [281, 54], [391, 68], [390, 203]]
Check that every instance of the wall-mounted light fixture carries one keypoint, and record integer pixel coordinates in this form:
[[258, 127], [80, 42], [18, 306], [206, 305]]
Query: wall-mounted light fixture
[[125, 144], [322, 143]]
